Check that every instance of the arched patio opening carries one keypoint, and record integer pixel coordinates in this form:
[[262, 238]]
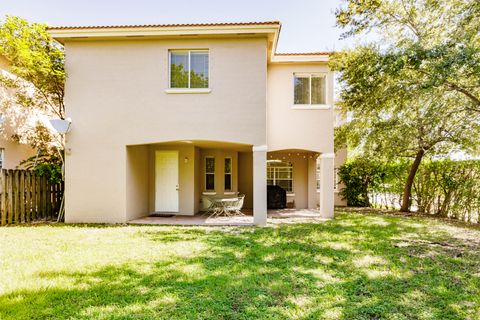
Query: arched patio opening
[[174, 177]]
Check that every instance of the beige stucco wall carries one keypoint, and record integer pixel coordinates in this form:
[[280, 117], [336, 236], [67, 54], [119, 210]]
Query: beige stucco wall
[[138, 171], [197, 180], [115, 97], [15, 153], [245, 177], [289, 128]]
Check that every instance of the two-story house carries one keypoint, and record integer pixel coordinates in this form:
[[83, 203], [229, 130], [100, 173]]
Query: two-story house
[[163, 114]]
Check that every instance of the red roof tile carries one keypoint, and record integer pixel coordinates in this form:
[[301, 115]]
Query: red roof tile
[[226, 24], [305, 54]]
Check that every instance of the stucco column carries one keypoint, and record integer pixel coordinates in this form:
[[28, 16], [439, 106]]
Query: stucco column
[[312, 183], [326, 185], [260, 185]]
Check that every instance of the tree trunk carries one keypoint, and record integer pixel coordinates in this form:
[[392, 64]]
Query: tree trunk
[[407, 191]]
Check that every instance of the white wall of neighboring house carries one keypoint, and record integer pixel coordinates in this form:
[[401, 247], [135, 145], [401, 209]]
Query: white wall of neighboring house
[[12, 153]]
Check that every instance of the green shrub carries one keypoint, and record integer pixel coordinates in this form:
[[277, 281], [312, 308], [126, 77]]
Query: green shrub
[[442, 187], [360, 177]]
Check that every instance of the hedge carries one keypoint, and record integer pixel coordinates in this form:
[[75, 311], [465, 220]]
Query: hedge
[[445, 188]]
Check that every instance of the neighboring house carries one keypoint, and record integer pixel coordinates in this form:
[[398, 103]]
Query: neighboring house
[[164, 114], [11, 153]]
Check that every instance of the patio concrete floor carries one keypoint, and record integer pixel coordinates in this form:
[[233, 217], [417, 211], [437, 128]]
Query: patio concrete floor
[[273, 217]]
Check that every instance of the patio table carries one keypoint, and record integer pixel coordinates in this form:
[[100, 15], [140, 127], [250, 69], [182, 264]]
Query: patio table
[[221, 206]]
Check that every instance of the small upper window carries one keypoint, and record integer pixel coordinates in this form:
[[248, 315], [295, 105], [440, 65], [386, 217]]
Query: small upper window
[[189, 69], [310, 88]]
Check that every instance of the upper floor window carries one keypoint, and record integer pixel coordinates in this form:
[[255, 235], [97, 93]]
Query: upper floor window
[[188, 69], [310, 88]]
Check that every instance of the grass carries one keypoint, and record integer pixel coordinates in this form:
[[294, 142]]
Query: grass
[[358, 266]]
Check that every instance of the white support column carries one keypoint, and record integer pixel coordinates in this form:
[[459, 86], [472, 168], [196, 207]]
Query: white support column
[[312, 183], [260, 185], [326, 185]]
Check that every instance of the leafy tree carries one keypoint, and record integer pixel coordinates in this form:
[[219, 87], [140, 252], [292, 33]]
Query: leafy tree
[[36, 58], [413, 94], [439, 39], [34, 86]]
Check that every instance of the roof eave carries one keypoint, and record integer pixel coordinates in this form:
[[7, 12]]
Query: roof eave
[[299, 58], [270, 29], [138, 31]]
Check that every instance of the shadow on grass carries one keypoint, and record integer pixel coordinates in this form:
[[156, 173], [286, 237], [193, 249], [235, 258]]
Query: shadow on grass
[[352, 268]]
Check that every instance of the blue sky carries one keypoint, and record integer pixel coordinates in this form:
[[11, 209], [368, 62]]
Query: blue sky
[[307, 25]]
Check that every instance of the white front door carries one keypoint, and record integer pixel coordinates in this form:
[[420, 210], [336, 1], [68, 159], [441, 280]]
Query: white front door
[[166, 181]]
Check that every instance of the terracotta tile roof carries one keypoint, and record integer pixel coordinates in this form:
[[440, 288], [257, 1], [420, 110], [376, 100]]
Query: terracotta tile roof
[[326, 53], [226, 24]]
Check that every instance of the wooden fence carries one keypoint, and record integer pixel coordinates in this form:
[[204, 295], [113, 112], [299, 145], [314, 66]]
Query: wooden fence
[[25, 196]]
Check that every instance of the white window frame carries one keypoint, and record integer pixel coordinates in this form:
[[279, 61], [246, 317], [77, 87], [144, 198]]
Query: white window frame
[[205, 172], [317, 175], [188, 89], [274, 178], [336, 178], [228, 173], [310, 106]]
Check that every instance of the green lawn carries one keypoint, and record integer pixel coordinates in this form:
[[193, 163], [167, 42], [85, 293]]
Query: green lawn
[[358, 266]]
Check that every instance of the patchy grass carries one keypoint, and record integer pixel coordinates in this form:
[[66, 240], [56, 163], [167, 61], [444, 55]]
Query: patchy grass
[[358, 266]]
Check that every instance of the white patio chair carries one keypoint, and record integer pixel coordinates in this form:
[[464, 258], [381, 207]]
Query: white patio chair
[[209, 204], [237, 205]]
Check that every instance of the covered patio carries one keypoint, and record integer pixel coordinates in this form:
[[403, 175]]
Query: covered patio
[[183, 177], [280, 216]]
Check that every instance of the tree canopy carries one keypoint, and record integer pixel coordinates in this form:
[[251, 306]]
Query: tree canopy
[[37, 59], [416, 91], [33, 88]]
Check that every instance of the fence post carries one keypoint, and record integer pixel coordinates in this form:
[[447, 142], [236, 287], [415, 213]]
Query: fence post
[[10, 196], [28, 198], [25, 196], [16, 197], [3, 189], [22, 196]]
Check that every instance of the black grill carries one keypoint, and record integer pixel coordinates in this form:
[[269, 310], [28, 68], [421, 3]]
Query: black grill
[[276, 197]]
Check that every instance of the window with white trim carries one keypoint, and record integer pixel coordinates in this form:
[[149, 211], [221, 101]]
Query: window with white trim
[[188, 69], [336, 177], [310, 88], [209, 173], [280, 173], [318, 174], [228, 174]]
